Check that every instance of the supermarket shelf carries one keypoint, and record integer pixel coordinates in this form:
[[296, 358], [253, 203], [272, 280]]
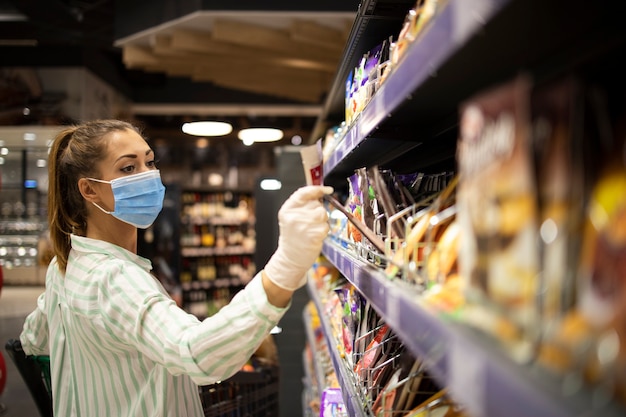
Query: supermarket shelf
[[310, 334], [214, 283], [453, 26], [478, 375], [466, 48], [344, 375], [219, 221], [228, 250]]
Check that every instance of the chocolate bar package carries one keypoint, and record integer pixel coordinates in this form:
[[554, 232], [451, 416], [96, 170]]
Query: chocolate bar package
[[498, 253]]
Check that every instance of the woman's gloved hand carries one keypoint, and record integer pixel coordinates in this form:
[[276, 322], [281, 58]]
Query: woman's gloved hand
[[303, 225]]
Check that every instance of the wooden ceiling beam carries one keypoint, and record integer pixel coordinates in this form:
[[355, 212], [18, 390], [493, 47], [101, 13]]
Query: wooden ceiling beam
[[316, 34], [204, 43], [269, 39], [138, 57], [267, 76]]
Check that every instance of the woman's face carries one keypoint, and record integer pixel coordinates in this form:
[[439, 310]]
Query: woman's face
[[127, 154]]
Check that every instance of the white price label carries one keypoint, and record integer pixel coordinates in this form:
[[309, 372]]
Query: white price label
[[393, 305], [466, 376], [469, 17]]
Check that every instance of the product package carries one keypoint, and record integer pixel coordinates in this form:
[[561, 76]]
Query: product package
[[414, 23], [497, 213], [352, 305], [556, 119], [332, 403], [312, 162], [602, 266]]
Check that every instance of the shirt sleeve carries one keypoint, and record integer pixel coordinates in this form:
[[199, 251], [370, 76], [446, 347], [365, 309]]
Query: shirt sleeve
[[34, 336], [138, 311]]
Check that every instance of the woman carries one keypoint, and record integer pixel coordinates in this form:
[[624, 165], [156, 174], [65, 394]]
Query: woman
[[118, 344]]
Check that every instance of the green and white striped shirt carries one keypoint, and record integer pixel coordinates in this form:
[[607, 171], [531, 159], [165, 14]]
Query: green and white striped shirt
[[119, 345]]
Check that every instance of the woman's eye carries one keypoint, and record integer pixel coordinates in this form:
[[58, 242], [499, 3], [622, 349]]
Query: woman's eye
[[152, 164], [128, 169]]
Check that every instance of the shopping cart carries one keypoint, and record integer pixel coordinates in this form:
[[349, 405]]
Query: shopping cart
[[245, 394], [35, 371]]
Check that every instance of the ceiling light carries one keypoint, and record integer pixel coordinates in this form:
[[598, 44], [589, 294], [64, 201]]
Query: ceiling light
[[260, 134], [271, 184], [207, 128]]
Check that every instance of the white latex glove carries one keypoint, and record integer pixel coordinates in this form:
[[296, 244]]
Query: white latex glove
[[303, 224]]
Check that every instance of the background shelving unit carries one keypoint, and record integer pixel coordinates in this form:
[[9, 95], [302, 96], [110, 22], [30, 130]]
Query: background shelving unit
[[217, 246], [411, 124]]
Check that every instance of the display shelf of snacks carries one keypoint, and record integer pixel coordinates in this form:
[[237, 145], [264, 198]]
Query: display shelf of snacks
[[217, 246], [465, 362], [319, 351], [385, 377], [318, 367], [344, 375], [488, 160], [366, 140]]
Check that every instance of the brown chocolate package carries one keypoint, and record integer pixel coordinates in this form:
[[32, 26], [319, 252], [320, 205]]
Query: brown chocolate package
[[497, 214]]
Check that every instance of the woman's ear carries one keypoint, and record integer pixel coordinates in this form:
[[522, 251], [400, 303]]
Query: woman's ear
[[86, 189]]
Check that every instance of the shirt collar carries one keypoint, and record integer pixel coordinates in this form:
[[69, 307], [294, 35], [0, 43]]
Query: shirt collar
[[88, 245]]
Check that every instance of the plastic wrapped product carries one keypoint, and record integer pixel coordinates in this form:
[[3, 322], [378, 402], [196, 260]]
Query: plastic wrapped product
[[497, 212], [332, 403]]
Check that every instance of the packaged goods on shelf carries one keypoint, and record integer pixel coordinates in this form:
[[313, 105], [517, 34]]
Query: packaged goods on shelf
[[363, 82], [332, 403], [498, 254], [376, 65], [387, 377], [511, 288], [414, 23], [584, 325]]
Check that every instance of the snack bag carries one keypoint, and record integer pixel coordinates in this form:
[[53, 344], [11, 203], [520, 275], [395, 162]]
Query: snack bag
[[555, 111], [602, 266], [332, 403], [498, 257]]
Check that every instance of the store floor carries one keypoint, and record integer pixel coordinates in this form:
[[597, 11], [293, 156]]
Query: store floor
[[16, 302]]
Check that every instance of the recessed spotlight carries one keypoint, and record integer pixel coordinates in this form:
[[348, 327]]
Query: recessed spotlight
[[260, 134], [271, 184], [207, 128]]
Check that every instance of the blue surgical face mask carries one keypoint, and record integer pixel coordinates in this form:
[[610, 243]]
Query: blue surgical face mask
[[138, 198]]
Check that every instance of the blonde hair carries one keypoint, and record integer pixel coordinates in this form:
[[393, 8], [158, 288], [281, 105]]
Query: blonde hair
[[73, 155]]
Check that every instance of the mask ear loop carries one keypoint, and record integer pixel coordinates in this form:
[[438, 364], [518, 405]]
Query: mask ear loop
[[94, 203], [103, 210]]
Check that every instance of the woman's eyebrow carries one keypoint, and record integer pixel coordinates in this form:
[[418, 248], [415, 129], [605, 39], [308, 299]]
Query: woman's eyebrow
[[132, 155]]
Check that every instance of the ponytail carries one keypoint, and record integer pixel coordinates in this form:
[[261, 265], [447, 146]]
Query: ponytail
[[72, 156]]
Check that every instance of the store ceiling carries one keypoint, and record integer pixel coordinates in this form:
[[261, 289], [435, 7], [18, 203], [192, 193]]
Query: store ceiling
[[179, 60]]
